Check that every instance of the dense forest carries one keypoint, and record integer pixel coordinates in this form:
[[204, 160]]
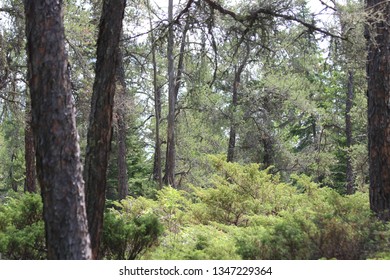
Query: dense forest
[[195, 129]]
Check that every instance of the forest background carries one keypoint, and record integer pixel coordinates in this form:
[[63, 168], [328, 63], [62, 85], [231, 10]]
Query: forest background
[[238, 131]]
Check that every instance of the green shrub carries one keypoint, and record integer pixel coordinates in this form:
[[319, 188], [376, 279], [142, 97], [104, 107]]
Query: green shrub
[[127, 235], [22, 233], [197, 242]]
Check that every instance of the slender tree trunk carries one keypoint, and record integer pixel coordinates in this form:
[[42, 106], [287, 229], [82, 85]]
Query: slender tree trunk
[[123, 188], [234, 104], [58, 162], [378, 92], [100, 121], [170, 173], [157, 168], [232, 132], [348, 134], [170, 161], [29, 152]]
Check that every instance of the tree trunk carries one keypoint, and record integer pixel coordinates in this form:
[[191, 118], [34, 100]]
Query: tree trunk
[[234, 104], [378, 92], [170, 173], [232, 132], [170, 161], [123, 188], [29, 152], [157, 172], [348, 134], [100, 120], [58, 162]]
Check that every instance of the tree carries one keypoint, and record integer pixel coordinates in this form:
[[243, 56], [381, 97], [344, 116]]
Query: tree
[[170, 162], [238, 69], [100, 120], [58, 162], [378, 92]]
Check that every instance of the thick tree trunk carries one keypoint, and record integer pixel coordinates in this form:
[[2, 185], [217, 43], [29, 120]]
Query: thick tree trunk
[[29, 152], [378, 73], [58, 162], [348, 133], [100, 121], [170, 161]]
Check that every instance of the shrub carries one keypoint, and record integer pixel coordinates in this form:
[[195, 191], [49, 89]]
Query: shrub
[[22, 234], [196, 242], [127, 235]]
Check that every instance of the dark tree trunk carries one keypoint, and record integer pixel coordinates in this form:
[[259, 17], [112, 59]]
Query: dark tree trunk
[[29, 152], [100, 121], [378, 92], [123, 188], [268, 157], [234, 104], [348, 133], [170, 161], [232, 132], [58, 162]]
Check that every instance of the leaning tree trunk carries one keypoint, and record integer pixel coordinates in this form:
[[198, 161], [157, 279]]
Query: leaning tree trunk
[[58, 161], [378, 91], [100, 121]]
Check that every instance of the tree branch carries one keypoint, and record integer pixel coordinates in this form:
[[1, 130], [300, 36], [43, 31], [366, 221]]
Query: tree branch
[[254, 15]]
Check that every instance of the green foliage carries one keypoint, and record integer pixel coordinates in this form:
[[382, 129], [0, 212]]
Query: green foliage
[[196, 242], [127, 235], [21, 227], [249, 213], [11, 151]]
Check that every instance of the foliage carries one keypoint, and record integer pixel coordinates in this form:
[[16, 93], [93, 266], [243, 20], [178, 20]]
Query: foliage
[[21, 227], [127, 235], [251, 214]]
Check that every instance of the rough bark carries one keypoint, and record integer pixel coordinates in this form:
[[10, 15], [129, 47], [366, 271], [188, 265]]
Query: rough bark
[[29, 152], [58, 162], [378, 92], [348, 133], [100, 121]]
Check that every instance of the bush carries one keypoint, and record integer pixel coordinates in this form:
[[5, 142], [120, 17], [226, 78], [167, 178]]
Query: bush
[[22, 233], [197, 242], [127, 235]]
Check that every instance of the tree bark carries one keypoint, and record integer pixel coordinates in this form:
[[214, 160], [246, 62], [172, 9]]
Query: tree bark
[[378, 92], [348, 133], [100, 120], [58, 162]]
